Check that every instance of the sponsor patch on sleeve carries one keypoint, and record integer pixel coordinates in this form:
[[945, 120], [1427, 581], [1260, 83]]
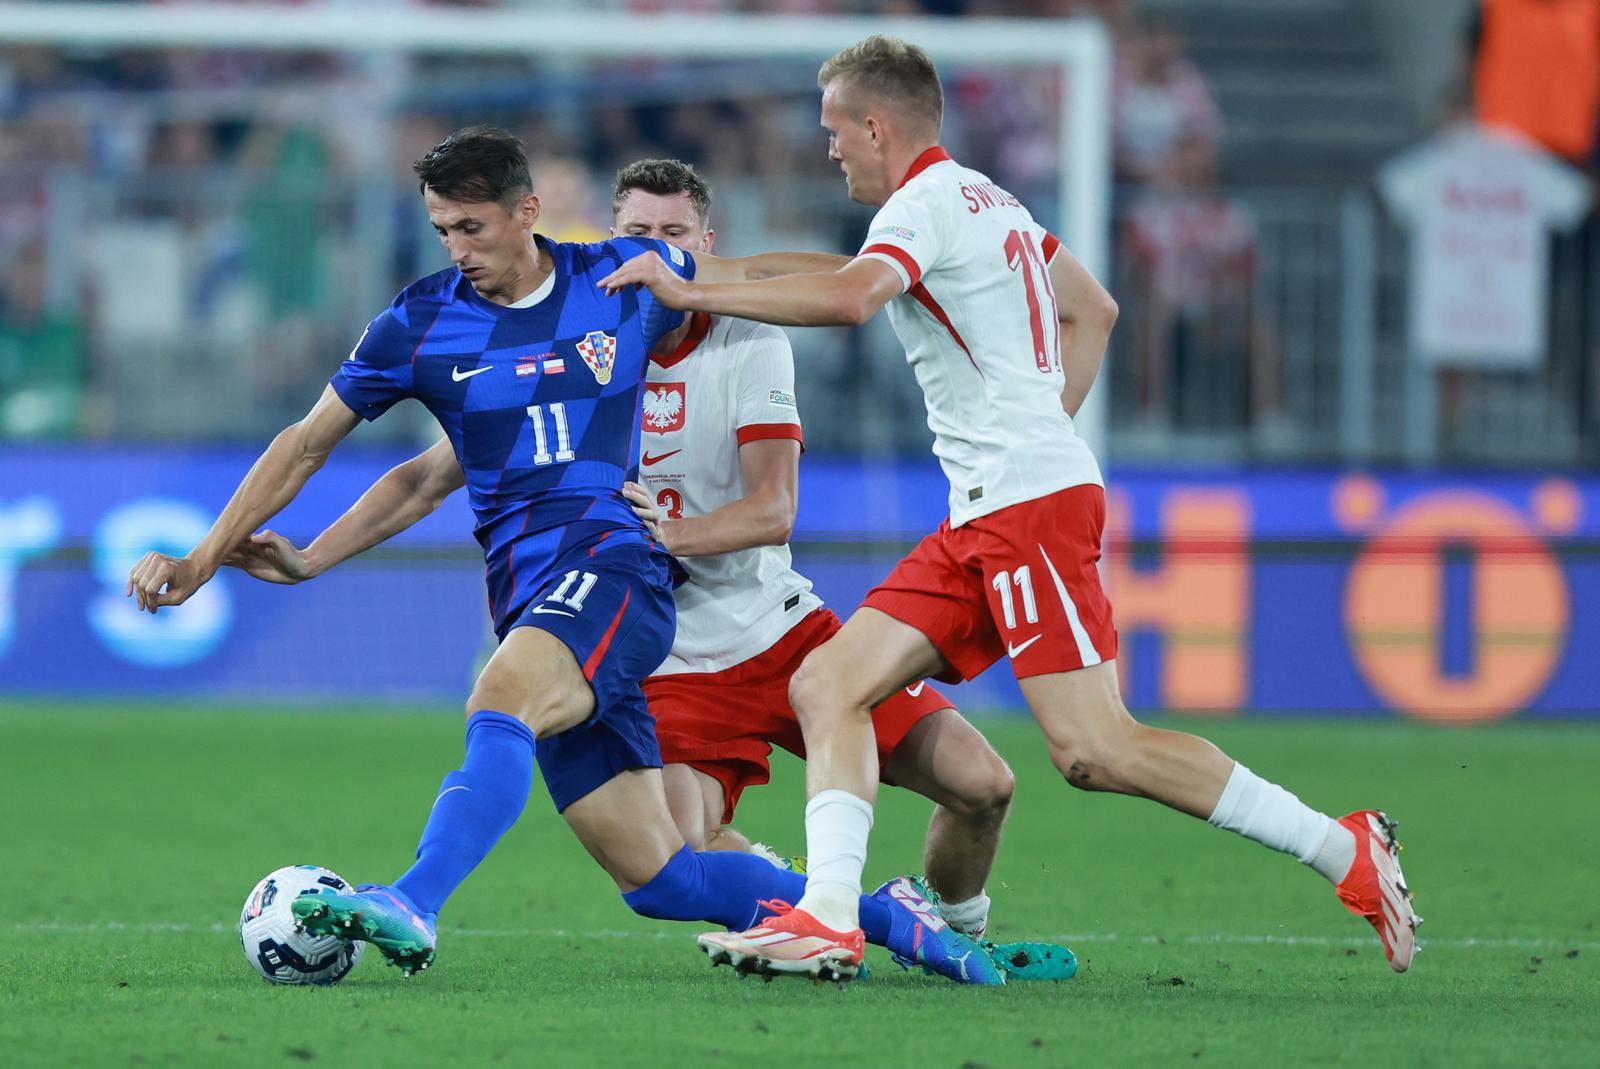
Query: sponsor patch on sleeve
[[779, 397], [903, 233]]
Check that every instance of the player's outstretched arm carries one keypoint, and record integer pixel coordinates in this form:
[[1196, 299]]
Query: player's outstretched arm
[[405, 494], [764, 516], [272, 482], [709, 268], [847, 297], [1087, 313]]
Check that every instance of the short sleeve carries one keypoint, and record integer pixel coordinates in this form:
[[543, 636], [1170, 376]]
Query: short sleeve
[[1049, 244], [1562, 193], [658, 319], [907, 233], [764, 401], [378, 371]]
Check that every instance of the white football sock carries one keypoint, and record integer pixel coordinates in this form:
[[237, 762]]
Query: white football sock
[[969, 917], [1271, 816], [837, 826]]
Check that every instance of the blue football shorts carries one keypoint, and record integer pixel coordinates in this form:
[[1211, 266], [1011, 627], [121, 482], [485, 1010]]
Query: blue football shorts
[[613, 609]]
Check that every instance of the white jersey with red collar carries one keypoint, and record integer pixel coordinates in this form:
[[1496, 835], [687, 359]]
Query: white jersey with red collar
[[978, 321], [729, 382]]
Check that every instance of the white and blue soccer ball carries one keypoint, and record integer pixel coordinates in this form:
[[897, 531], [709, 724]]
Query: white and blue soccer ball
[[267, 932]]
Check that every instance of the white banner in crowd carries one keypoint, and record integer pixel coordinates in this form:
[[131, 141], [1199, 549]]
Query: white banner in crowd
[[1481, 205]]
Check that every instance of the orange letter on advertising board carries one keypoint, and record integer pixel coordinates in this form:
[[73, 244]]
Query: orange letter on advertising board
[[1394, 605], [1198, 600]]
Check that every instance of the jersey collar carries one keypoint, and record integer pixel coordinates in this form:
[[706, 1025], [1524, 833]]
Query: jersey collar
[[699, 326], [548, 286], [923, 162]]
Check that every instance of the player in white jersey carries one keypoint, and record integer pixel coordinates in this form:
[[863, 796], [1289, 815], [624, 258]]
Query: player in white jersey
[[720, 456], [719, 467], [1005, 331]]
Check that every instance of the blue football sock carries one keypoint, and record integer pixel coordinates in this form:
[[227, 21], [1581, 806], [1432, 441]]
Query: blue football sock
[[477, 804], [725, 887]]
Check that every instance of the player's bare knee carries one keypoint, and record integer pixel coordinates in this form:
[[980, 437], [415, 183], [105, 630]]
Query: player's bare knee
[[491, 698], [550, 711], [814, 693], [998, 785], [985, 789]]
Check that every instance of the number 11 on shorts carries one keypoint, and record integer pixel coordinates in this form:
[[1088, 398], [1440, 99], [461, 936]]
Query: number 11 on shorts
[[1024, 582], [573, 601]]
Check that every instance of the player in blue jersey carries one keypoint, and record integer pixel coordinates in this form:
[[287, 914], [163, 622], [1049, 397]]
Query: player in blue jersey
[[535, 375]]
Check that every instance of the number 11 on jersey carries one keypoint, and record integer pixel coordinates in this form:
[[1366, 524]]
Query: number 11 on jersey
[[1023, 255], [541, 437]]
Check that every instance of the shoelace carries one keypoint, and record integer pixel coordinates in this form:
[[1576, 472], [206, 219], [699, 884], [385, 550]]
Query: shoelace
[[777, 906]]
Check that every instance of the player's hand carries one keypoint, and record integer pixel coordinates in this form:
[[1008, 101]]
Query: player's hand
[[159, 580], [651, 271], [644, 508], [271, 557]]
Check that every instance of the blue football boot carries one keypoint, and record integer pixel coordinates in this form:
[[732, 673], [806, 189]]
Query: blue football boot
[[920, 938], [380, 915]]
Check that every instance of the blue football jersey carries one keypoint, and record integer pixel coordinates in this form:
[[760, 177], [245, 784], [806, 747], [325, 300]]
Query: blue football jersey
[[542, 404]]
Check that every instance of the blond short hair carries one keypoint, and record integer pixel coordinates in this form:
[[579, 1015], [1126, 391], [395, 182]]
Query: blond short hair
[[891, 70]]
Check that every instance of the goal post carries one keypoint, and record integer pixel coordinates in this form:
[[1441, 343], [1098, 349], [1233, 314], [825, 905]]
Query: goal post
[[1079, 48]]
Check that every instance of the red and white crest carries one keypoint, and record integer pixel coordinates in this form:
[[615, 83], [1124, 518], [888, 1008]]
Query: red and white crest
[[599, 351], [664, 406]]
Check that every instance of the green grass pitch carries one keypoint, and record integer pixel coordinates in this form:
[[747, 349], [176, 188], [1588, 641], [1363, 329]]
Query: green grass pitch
[[132, 835]]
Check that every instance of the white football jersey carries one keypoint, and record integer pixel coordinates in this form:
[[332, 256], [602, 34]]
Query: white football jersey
[[730, 382], [978, 321]]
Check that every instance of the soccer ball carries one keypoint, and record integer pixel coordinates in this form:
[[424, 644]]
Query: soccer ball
[[275, 949]]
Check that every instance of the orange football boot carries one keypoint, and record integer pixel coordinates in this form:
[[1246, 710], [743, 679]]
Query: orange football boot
[[790, 943], [1374, 887]]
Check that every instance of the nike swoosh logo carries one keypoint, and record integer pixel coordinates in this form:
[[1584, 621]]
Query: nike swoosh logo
[[916, 690], [558, 612], [1014, 650], [648, 459], [456, 374]]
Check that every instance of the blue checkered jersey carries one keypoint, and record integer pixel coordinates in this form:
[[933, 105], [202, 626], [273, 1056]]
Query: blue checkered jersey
[[542, 404]]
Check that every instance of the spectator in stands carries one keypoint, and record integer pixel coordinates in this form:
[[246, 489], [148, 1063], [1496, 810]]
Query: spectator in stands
[[568, 209], [291, 226], [1159, 98], [41, 353], [1191, 253]]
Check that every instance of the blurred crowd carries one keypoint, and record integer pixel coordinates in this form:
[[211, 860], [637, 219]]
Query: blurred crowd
[[216, 197]]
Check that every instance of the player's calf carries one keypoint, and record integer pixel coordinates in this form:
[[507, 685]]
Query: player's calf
[[945, 759], [1096, 744], [968, 778]]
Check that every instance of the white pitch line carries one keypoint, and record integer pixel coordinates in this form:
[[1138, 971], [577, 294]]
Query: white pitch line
[[1451, 942], [1214, 939]]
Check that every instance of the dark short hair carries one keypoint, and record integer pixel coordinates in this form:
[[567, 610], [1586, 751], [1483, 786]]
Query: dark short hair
[[476, 165], [663, 178], [891, 70]]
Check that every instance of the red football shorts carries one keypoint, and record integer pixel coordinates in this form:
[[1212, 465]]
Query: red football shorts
[[726, 723], [1018, 583]]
